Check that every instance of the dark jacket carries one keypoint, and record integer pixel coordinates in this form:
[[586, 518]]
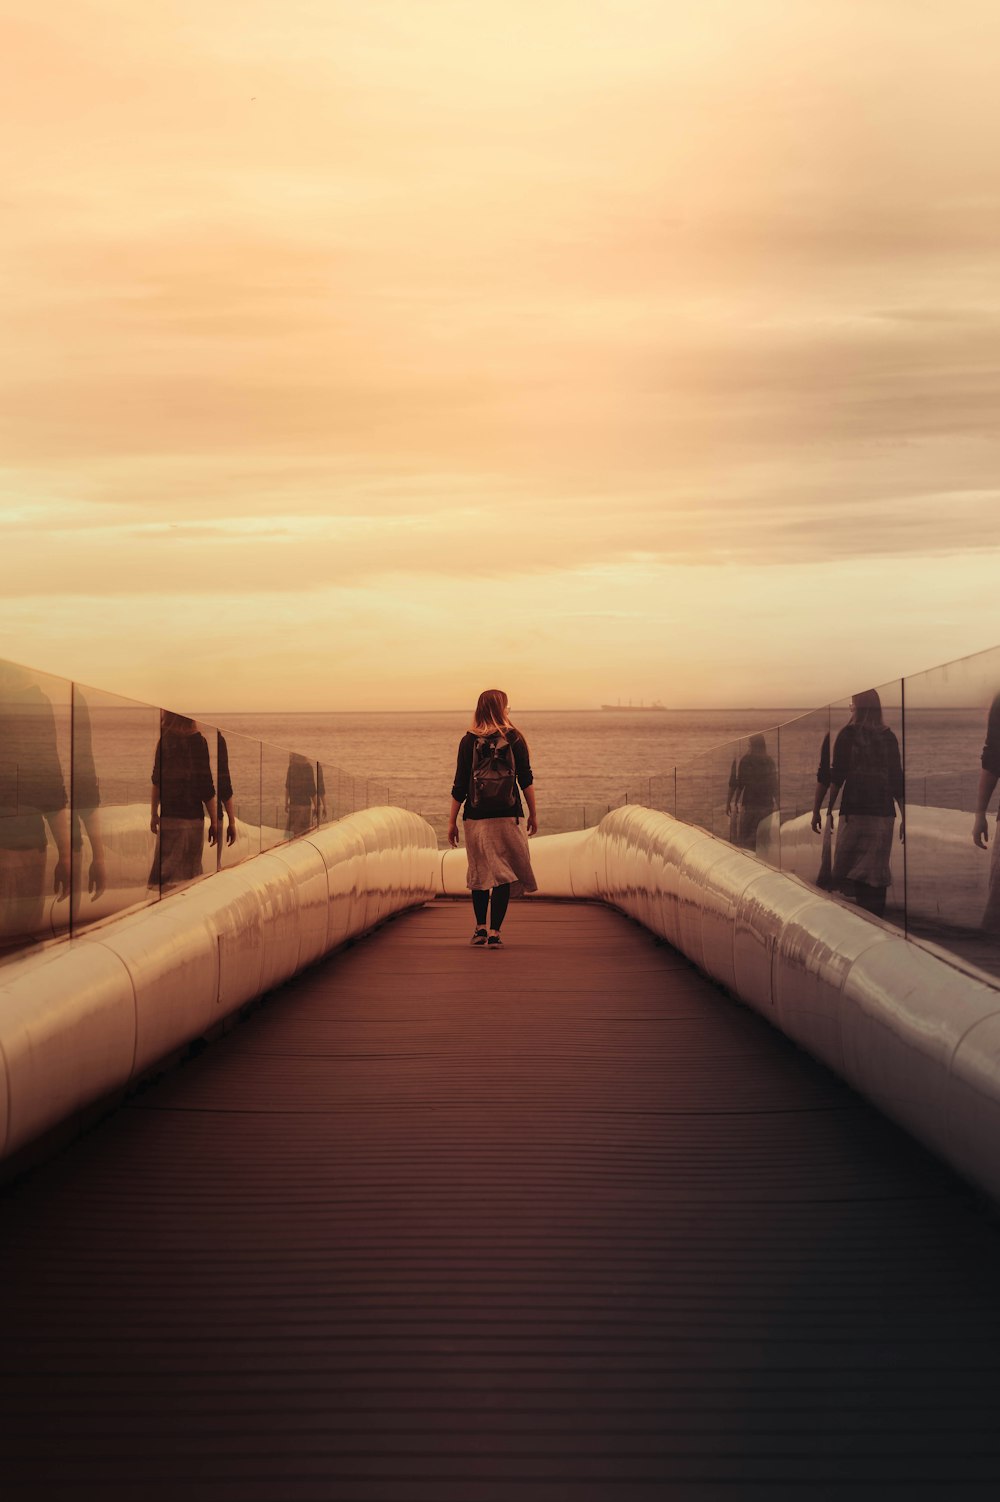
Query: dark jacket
[[463, 774], [183, 773], [757, 780], [867, 762]]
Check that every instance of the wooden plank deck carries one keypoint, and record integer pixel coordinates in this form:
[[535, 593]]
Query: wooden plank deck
[[439, 1225]]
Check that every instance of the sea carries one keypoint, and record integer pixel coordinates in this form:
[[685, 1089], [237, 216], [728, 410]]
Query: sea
[[588, 761], [585, 762], [579, 757]]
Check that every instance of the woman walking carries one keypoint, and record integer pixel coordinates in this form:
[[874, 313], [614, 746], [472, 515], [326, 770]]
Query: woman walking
[[492, 765]]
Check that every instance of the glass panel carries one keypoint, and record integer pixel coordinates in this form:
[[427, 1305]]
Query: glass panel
[[114, 742], [804, 745], [35, 860], [183, 777], [719, 764], [952, 754], [353, 793], [868, 859], [273, 796], [560, 818], [695, 791], [755, 821], [328, 792], [301, 795], [662, 792], [238, 781]]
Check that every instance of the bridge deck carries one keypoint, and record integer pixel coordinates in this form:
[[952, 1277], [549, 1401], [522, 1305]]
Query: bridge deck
[[441, 1225]]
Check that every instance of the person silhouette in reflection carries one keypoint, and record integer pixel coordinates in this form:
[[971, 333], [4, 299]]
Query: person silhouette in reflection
[[753, 792], [182, 792], [988, 777], [866, 765], [225, 795], [305, 795], [33, 802], [492, 763]]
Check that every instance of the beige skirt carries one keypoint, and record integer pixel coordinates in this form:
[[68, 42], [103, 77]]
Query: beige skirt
[[498, 853]]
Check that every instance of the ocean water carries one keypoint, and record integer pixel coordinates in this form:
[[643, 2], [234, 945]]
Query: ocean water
[[587, 758], [584, 762]]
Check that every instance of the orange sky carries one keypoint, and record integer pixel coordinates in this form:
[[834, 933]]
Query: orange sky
[[359, 353]]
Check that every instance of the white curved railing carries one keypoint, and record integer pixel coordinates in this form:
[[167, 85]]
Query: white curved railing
[[916, 1036], [81, 1020]]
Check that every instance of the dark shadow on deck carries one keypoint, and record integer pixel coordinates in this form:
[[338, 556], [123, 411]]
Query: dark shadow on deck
[[441, 1225]]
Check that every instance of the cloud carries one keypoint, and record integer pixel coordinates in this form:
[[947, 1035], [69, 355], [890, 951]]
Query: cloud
[[330, 296]]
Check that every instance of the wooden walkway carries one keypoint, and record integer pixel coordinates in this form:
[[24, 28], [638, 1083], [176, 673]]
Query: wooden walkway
[[556, 1224]]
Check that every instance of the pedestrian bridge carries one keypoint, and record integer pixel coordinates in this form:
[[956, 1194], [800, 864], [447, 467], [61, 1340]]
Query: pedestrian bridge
[[624, 1210]]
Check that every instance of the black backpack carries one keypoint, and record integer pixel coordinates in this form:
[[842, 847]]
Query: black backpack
[[868, 771], [493, 783]]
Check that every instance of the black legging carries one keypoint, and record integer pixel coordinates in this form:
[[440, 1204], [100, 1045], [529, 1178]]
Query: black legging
[[497, 909]]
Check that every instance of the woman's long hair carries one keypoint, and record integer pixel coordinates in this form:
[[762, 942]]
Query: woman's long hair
[[491, 713], [868, 710], [181, 723]]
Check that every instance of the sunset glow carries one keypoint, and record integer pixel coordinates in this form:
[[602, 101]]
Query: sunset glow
[[359, 354]]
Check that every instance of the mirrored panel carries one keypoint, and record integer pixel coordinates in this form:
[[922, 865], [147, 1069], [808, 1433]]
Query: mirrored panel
[[591, 814], [328, 792], [751, 819], [183, 803], [35, 841], [866, 788], [114, 741], [952, 756], [238, 779], [663, 792], [697, 791], [561, 818], [352, 792], [274, 781], [304, 782], [805, 844]]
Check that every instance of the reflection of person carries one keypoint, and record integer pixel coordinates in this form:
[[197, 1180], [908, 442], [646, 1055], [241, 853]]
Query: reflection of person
[[866, 765], [753, 791], [305, 795], [988, 778], [182, 792], [32, 798], [495, 841]]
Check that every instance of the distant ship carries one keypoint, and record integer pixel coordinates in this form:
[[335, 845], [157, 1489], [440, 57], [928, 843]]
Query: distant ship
[[656, 706]]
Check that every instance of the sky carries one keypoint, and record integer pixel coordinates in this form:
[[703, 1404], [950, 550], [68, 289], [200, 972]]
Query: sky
[[367, 353]]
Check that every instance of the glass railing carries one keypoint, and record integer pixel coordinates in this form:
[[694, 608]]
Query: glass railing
[[86, 832], [917, 744], [107, 805]]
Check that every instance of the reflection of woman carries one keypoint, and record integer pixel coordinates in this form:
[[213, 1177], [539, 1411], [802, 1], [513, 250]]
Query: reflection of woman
[[753, 791], [225, 794], [303, 795], [866, 764], [492, 763], [182, 792], [32, 797], [988, 778]]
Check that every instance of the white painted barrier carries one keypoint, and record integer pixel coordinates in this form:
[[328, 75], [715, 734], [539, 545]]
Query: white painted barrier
[[918, 1037], [83, 1018]]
